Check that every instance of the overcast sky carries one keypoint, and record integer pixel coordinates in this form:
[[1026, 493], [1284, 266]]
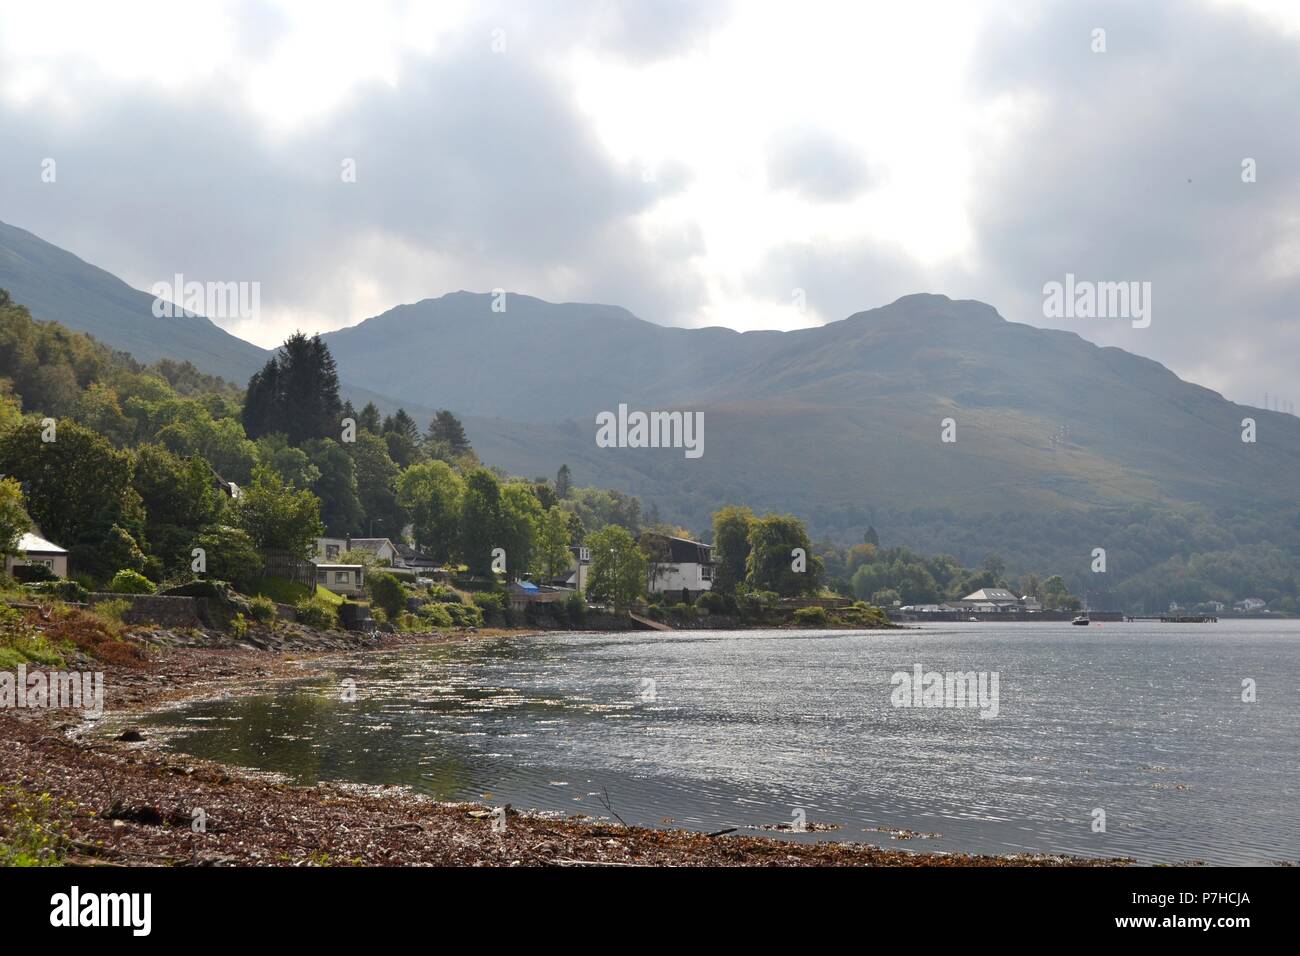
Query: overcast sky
[[693, 161]]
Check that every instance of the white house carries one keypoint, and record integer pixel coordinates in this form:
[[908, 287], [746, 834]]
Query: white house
[[682, 565], [341, 578], [33, 549]]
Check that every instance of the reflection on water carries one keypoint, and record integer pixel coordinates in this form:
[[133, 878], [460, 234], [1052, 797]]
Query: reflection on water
[[1144, 721]]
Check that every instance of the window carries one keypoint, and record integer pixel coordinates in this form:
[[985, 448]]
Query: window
[[342, 577], [706, 572], [323, 577], [331, 551]]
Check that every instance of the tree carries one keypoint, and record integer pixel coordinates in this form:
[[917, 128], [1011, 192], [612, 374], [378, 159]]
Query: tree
[[731, 527], [403, 438], [369, 419], [871, 537], [296, 392], [376, 476], [521, 514], [78, 485], [14, 521], [481, 521], [1056, 596], [552, 556], [179, 497], [387, 592], [446, 427], [336, 487], [563, 482], [618, 567], [294, 465], [431, 493], [771, 562], [278, 517], [230, 555]]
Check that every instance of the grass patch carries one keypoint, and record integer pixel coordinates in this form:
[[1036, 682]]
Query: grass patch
[[328, 596], [282, 590]]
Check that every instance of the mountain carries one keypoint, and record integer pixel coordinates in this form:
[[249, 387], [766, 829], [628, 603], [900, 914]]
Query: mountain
[[1061, 446], [842, 415], [57, 286]]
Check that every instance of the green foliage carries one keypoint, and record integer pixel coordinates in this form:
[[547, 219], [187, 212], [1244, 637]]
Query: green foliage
[[239, 626], [481, 522], [231, 555], [446, 430], [618, 567], [62, 590], [376, 478], [14, 520], [282, 590], [386, 591], [730, 547], [296, 392], [112, 613], [78, 489], [336, 486], [262, 609], [575, 606], [34, 828], [810, 617], [431, 493], [494, 605], [316, 612], [715, 603], [436, 616], [769, 566], [597, 507], [463, 615], [552, 557], [127, 581], [278, 517]]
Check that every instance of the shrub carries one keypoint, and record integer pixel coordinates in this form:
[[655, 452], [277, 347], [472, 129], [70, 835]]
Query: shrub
[[262, 608], [444, 595], [575, 605], [386, 591], [239, 626], [494, 605], [712, 602], [464, 615], [127, 581], [61, 590], [112, 613], [811, 616], [436, 616], [315, 612]]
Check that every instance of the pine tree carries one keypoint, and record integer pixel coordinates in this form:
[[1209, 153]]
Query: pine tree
[[296, 393], [446, 427], [563, 482]]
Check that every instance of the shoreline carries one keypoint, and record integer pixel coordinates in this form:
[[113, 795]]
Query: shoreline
[[125, 800]]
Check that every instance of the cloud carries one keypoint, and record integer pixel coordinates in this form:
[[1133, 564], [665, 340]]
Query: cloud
[[817, 165], [1127, 165]]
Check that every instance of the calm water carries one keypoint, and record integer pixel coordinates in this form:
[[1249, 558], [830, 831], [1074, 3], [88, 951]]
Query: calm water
[[1144, 721]]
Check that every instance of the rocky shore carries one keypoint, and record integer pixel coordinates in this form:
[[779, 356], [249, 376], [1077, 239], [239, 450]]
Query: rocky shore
[[123, 800]]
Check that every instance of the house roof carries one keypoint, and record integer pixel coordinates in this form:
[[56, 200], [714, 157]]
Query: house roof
[[991, 594], [684, 550], [370, 543], [33, 544]]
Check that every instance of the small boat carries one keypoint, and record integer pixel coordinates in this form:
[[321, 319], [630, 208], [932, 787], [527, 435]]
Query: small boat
[[1082, 619]]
